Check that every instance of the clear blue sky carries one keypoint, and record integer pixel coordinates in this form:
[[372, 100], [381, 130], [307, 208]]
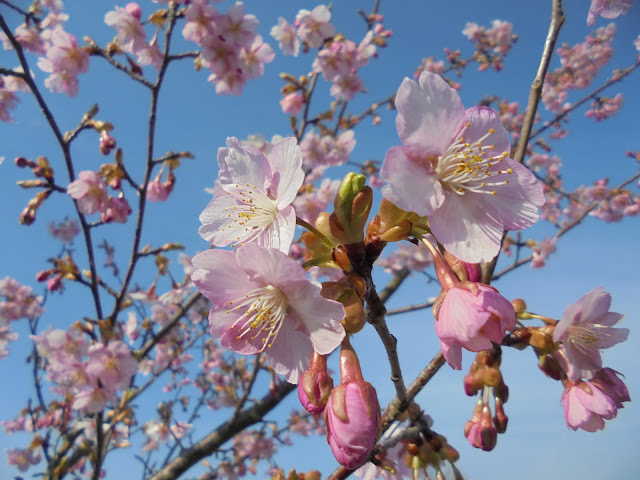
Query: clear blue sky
[[193, 118]]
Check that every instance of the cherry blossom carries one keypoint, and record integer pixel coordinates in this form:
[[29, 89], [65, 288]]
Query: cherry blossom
[[263, 302], [287, 38], [607, 9], [254, 204], [64, 61], [131, 35], [314, 26], [587, 404], [586, 328], [454, 166], [472, 315]]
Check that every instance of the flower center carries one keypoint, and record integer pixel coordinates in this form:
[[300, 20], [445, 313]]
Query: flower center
[[266, 308], [470, 167], [255, 211], [586, 338]]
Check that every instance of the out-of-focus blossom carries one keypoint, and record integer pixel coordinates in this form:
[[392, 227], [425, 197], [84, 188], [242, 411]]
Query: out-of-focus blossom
[[454, 166], [131, 35], [473, 316], [323, 151], [115, 209], [287, 38], [542, 251], [22, 459], [64, 61], [602, 108], [255, 56], [263, 302], [292, 103], [18, 301], [315, 26], [254, 204], [586, 328], [64, 231], [607, 9], [415, 258], [308, 205], [158, 190]]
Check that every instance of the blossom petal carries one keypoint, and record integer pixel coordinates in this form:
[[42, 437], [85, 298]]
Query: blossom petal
[[290, 353], [595, 304], [466, 229], [430, 115], [268, 266], [481, 120], [320, 317], [218, 226], [452, 352], [286, 171], [517, 202], [411, 186], [220, 323], [243, 165], [218, 276]]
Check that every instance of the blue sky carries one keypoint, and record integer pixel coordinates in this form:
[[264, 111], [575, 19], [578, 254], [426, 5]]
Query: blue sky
[[193, 118]]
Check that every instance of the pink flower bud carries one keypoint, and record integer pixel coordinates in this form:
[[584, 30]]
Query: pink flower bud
[[315, 385], [107, 143], [292, 103], [352, 414]]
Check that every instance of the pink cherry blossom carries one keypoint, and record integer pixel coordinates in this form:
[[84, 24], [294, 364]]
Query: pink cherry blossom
[[586, 328], [200, 22], [263, 302], [115, 209], [236, 27], [454, 166], [89, 191], [113, 364], [314, 26], [352, 414], [131, 35], [64, 60], [607, 9], [473, 316], [309, 204], [286, 35], [65, 231], [22, 459], [257, 191], [587, 404], [255, 56]]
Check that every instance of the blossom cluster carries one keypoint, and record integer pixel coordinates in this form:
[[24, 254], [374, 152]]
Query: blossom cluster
[[16, 301], [231, 49], [90, 374], [492, 44], [92, 196]]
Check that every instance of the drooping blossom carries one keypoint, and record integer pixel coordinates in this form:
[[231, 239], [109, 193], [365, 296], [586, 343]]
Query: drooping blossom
[[352, 414], [287, 38], [454, 166], [22, 459], [263, 302], [8, 100], [115, 209], [587, 404], [254, 204], [472, 315], [585, 328], [607, 9], [315, 26]]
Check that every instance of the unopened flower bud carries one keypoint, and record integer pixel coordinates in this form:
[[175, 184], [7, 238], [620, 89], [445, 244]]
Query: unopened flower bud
[[315, 385], [352, 414], [550, 366], [488, 435], [519, 305], [352, 205], [500, 419], [134, 10], [54, 284], [107, 143]]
